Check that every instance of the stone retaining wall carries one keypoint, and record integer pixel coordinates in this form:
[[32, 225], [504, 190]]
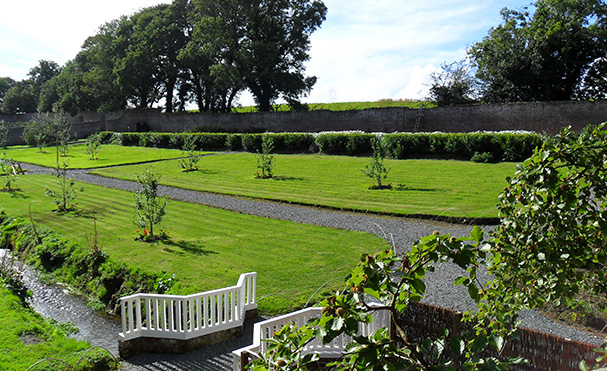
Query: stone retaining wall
[[547, 117]]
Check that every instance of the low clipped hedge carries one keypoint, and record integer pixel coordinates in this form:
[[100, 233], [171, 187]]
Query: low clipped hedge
[[480, 147]]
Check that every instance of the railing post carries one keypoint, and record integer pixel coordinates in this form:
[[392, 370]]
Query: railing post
[[123, 313], [184, 315], [138, 313]]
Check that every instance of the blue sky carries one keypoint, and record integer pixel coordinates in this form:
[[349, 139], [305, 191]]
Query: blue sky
[[366, 49]]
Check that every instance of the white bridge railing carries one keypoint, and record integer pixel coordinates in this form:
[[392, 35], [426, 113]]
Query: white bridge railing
[[187, 317], [266, 329]]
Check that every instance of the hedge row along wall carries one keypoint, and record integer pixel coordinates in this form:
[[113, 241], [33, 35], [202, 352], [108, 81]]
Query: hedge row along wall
[[482, 147], [544, 352]]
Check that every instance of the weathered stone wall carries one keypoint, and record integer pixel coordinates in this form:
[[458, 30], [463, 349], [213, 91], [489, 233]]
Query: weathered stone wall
[[546, 117]]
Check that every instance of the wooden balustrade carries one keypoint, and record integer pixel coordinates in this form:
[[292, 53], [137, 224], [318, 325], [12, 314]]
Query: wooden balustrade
[[187, 317], [266, 330]]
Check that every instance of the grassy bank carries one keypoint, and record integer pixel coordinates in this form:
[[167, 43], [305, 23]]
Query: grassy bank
[[346, 106], [419, 187], [26, 338], [109, 155], [209, 248]]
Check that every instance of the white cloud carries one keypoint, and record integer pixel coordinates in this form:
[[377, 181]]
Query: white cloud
[[53, 30], [369, 50], [365, 50]]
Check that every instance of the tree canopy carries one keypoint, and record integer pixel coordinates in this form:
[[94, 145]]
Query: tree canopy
[[190, 51], [552, 51]]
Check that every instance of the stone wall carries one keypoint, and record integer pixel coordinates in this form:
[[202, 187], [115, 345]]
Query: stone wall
[[546, 117]]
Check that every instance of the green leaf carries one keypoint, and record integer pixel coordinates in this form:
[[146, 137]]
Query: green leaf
[[477, 234], [461, 281], [473, 292], [479, 343]]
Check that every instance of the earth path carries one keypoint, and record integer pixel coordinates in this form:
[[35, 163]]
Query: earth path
[[403, 232]]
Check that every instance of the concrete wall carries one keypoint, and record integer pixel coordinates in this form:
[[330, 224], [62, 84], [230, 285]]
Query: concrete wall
[[546, 117]]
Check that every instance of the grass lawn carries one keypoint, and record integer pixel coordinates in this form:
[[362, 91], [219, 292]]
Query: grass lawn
[[26, 338], [420, 187], [346, 106], [209, 247], [109, 155]]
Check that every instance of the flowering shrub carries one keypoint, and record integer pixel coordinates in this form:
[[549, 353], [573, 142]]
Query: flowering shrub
[[146, 236]]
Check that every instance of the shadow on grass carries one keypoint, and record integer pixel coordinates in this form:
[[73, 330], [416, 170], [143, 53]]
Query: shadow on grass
[[402, 187], [287, 178], [186, 246], [16, 193], [208, 172]]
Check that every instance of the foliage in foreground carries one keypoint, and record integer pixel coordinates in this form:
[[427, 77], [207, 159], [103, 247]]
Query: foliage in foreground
[[549, 246]]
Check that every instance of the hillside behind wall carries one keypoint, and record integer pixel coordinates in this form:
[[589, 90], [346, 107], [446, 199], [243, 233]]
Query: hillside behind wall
[[546, 117]]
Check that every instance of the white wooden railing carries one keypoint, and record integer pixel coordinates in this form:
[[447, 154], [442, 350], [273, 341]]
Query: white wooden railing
[[187, 317], [266, 329]]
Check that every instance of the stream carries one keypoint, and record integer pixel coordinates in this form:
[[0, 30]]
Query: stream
[[55, 302]]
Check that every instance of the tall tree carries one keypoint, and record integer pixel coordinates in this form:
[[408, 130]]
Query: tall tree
[[98, 58], [210, 55], [455, 84], [23, 96], [6, 83], [544, 54], [267, 42]]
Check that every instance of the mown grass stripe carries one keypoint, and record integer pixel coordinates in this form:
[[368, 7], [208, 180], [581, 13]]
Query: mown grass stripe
[[209, 247]]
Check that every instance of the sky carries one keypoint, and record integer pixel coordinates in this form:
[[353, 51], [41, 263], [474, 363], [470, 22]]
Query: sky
[[366, 50]]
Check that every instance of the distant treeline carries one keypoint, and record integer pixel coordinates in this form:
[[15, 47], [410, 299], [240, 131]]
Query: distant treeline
[[201, 52]]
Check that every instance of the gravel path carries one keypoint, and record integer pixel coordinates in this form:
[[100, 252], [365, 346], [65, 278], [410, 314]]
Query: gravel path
[[404, 232]]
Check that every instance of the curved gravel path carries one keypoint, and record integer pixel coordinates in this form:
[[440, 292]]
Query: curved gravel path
[[404, 232]]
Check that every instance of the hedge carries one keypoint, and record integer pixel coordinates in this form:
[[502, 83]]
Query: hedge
[[484, 147], [480, 147]]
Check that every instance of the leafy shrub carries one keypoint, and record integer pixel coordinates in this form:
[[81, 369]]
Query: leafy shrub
[[484, 157], [350, 144], [234, 142], [407, 145], [251, 142], [291, 142], [211, 141]]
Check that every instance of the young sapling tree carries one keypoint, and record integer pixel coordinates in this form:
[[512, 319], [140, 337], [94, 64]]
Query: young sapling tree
[[191, 156], [376, 169], [93, 144], [149, 206], [265, 161], [8, 169], [68, 189]]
